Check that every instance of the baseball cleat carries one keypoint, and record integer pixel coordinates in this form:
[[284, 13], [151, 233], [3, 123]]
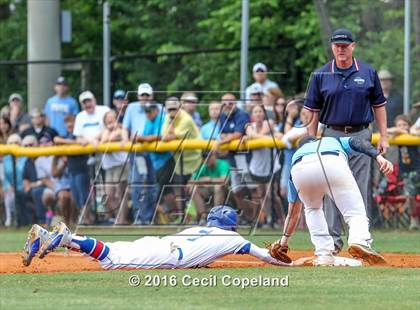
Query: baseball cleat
[[37, 236], [366, 253], [60, 236]]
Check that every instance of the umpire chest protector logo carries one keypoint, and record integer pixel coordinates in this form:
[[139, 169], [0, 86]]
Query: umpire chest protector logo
[[359, 80]]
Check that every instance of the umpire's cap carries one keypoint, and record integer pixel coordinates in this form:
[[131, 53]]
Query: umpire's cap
[[343, 36], [223, 217]]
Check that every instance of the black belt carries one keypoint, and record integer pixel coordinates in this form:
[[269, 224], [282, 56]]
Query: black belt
[[348, 129], [322, 153]]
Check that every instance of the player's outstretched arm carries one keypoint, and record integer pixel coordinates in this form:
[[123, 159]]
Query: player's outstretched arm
[[363, 146]]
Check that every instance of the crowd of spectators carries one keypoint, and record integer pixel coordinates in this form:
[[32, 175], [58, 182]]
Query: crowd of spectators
[[156, 187]]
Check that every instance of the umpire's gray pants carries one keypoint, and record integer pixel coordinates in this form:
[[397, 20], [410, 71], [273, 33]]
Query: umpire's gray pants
[[360, 167]]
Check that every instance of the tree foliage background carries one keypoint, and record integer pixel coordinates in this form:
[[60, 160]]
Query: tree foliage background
[[284, 34]]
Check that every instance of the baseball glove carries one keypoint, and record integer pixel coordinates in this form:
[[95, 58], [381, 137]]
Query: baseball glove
[[279, 252]]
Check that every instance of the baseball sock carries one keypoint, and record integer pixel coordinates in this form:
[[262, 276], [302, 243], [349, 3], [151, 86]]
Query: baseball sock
[[90, 246]]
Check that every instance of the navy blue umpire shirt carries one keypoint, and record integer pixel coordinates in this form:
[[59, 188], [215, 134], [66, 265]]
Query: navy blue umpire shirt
[[345, 97]]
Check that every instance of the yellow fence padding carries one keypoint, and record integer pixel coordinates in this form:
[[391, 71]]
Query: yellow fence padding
[[168, 146]]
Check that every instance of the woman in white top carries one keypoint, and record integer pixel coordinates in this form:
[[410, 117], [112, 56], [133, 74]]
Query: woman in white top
[[116, 170], [264, 163]]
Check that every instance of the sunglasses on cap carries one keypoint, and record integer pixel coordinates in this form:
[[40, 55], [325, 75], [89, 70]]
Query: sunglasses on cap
[[260, 70], [28, 145], [172, 109], [144, 95]]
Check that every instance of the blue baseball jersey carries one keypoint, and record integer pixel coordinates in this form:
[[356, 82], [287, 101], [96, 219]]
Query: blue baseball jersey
[[345, 97], [326, 144]]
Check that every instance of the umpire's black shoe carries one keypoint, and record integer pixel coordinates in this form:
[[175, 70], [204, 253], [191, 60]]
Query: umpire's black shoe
[[337, 250]]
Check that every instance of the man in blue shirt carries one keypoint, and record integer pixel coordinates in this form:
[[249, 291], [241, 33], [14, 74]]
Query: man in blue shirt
[[162, 162], [346, 96], [233, 123], [320, 168], [142, 176], [211, 129], [60, 105]]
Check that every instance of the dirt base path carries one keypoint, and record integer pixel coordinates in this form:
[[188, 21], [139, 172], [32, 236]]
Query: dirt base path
[[11, 263]]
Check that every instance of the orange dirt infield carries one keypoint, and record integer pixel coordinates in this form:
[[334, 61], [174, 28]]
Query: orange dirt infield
[[11, 263]]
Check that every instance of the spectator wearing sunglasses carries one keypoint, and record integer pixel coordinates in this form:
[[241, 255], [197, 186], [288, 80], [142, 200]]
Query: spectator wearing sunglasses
[[119, 102], [179, 125], [189, 103], [233, 123]]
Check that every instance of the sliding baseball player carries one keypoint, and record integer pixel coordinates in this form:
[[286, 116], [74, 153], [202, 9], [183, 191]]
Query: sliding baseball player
[[192, 247]]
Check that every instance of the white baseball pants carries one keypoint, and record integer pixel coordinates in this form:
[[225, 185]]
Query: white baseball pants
[[333, 178], [144, 253]]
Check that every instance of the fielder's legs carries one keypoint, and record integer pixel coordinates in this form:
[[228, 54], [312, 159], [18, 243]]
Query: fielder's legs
[[312, 188], [346, 194]]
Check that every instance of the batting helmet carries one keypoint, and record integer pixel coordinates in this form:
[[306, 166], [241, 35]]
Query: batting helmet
[[223, 217]]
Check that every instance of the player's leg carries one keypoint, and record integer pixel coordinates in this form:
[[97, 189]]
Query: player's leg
[[349, 201], [311, 189], [61, 236], [318, 228], [37, 236]]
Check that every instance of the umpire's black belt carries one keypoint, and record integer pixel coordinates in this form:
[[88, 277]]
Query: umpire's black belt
[[348, 129], [322, 153]]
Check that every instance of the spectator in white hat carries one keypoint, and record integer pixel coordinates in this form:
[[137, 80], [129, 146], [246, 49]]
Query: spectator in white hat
[[89, 122], [144, 193], [189, 103], [18, 117], [256, 94], [259, 73]]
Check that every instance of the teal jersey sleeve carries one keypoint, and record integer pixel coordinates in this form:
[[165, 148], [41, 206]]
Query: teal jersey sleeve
[[345, 143]]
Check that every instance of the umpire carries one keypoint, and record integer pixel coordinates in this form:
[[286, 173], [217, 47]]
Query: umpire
[[346, 96]]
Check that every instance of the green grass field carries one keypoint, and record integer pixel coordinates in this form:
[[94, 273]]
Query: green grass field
[[309, 288]]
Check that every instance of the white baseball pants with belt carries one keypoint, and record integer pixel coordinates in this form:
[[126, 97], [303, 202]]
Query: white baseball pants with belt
[[318, 175]]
